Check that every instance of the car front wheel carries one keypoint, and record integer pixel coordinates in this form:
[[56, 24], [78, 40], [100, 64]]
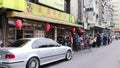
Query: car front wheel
[[33, 63], [68, 55]]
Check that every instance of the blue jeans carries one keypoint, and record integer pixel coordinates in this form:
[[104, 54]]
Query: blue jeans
[[90, 47]]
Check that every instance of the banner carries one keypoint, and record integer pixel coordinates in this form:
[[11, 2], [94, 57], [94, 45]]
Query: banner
[[39, 10]]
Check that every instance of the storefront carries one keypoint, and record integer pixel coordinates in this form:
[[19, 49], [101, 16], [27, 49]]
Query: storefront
[[32, 27], [29, 29], [36, 21], [96, 30]]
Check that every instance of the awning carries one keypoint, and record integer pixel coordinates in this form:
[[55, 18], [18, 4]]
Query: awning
[[96, 26], [38, 18]]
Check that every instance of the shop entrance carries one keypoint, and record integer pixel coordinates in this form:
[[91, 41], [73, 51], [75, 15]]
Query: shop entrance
[[19, 34]]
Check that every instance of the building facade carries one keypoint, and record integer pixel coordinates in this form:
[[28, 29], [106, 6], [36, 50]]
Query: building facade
[[98, 15], [39, 19], [116, 13]]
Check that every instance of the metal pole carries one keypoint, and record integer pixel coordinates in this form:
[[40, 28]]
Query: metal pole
[[3, 21], [55, 33], [3, 30]]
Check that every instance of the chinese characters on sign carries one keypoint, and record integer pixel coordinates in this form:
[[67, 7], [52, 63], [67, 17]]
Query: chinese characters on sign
[[39, 10]]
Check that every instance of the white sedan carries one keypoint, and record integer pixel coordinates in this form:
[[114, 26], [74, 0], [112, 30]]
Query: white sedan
[[33, 52]]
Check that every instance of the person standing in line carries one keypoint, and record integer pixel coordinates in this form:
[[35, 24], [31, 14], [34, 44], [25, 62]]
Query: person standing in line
[[77, 42], [71, 40], [101, 39], [94, 41], [86, 42], [98, 42], [61, 39], [81, 43], [105, 40], [108, 40], [68, 41], [90, 42]]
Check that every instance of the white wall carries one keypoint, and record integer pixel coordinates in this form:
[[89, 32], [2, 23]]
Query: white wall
[[74, 9]]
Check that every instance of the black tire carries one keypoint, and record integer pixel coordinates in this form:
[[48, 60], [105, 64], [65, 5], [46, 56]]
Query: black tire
[[33, 63], [68, 55]]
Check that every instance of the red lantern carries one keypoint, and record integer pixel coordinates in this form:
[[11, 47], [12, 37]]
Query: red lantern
[[47, 27], [81, 31], [18, 23], [73, 30]]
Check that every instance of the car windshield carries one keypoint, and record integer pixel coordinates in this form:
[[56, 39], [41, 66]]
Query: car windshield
[[18, 43]]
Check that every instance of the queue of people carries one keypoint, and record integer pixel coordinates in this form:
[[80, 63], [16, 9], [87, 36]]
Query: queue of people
[[77, 42]]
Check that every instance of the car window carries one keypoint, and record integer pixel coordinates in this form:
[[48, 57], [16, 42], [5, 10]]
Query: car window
[[40, 43], [43, 46], [52, 45], [36, 44], [46, 46], [55, 45], [18, 43]]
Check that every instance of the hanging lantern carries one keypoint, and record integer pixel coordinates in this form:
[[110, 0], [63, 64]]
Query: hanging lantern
[[47, 27], [18, 23], [81, 31], [73, 30]]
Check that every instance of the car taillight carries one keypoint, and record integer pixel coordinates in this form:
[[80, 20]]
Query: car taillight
[[10, 56]]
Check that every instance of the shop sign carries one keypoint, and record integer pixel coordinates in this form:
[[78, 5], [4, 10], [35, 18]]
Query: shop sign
[[71, 18], [18, 5], [39, 10], [58, 4]]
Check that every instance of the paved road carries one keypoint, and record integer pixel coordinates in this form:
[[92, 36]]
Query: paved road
[[103, 57]]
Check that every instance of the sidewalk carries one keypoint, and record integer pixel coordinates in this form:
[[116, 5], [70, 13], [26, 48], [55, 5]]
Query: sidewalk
[[94, 49]]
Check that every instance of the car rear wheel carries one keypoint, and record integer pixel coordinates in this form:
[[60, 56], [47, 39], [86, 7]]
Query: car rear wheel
[[33, 63], [68, 55]]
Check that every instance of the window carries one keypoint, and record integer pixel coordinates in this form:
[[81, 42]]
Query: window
[[18, 43], [55, 45], [34, 1], [44, 46], [67, 6], [40, 43], [12, 33], [36, 44]]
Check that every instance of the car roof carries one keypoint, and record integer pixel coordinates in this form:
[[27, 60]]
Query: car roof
[[43, 40]]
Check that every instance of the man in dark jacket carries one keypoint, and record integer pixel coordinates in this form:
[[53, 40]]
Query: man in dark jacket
[[98, 41]]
